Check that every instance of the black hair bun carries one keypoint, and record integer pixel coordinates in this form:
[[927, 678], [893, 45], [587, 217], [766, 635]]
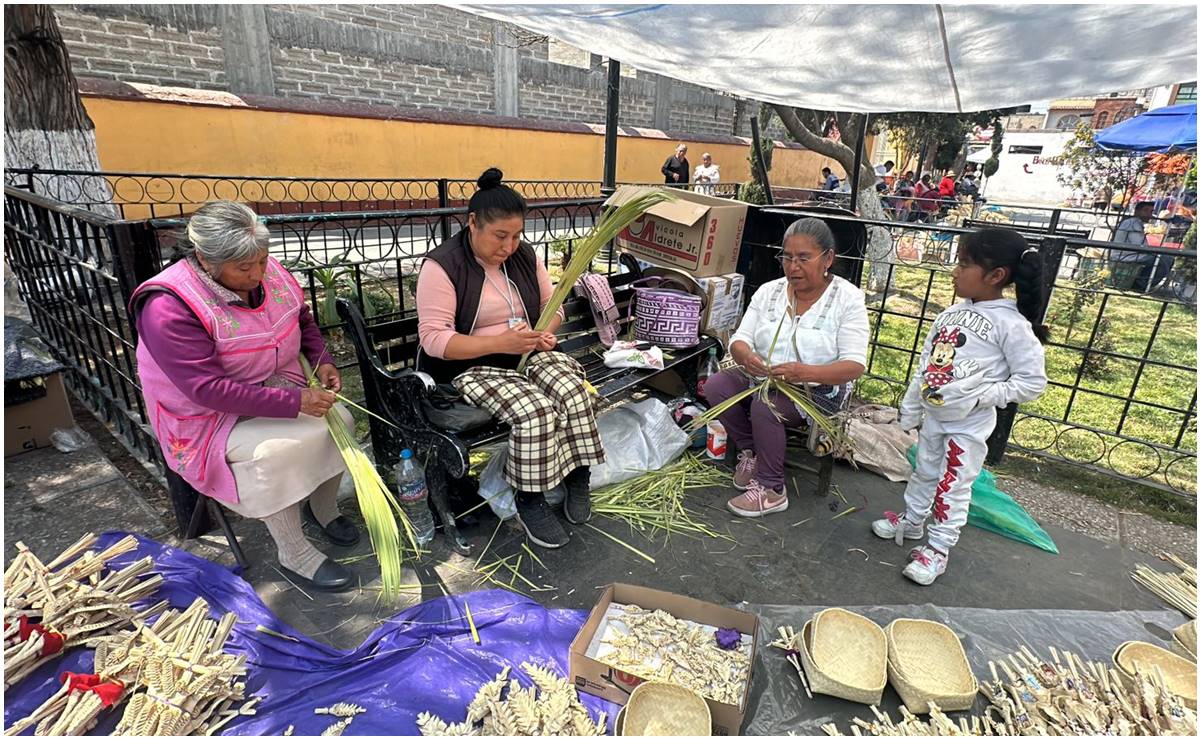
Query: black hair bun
[[491, 178]]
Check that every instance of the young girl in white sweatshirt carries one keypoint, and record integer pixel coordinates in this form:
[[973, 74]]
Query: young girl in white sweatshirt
[[983, 352]]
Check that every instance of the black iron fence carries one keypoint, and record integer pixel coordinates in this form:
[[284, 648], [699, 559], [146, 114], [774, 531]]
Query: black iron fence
[[1121, 361], [73, 270], [141, 195]]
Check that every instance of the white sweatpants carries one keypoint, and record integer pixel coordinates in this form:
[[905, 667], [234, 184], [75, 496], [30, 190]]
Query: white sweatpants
[[948, 463]]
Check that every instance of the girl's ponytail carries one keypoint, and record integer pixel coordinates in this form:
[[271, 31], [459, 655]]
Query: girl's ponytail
[[998, 247], [1028, 283]]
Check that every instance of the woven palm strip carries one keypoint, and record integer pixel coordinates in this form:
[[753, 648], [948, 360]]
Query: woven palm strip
[[1062, 695], [845, 655], [927, 665], [1180, 673], [186, 684], [551, 707], [72, 596]]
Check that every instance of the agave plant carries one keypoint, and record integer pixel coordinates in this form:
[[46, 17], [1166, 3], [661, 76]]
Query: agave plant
[[611, 223]]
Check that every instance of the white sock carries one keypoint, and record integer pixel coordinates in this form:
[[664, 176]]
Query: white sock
[[324, 500], [296, 553]]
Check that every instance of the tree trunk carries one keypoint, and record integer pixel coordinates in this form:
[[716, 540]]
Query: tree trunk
[[879, 240], [45, 124], [879, 243]]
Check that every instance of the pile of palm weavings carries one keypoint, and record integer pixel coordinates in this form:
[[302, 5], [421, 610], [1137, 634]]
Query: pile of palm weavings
[[1066, 696], [173, 676]]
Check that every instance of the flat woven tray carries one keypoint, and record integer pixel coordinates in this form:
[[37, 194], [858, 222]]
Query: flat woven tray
[[845, 655], [926, 663], [1180, 674]]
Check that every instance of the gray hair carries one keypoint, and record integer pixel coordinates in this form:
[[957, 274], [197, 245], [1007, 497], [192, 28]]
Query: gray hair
[[812, 227], [226, 231]]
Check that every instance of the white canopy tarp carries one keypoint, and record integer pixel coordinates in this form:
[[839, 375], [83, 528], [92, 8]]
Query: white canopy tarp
[[883, 58]]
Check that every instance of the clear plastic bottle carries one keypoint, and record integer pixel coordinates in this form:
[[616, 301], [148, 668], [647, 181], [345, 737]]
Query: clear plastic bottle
[[709, 369], [413, 496]]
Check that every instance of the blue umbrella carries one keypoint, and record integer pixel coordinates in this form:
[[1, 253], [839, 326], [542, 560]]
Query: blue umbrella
[[1171, 129]]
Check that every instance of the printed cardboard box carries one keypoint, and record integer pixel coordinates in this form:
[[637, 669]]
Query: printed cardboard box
[[699, 234], [723, 303], [599, 679]]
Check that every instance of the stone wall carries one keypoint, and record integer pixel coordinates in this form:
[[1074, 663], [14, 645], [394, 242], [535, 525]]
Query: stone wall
[[407, 56]]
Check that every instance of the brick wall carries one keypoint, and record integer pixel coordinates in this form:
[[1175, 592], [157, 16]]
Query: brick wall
[[414, 56], [161, 45]]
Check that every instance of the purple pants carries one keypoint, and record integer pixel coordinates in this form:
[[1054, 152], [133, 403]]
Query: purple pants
[[752, 425]]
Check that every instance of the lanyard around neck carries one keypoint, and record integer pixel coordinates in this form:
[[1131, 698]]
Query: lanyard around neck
[[506, 294]]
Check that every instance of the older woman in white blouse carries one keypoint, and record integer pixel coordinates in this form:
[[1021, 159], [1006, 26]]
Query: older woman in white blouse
[[822, 342]]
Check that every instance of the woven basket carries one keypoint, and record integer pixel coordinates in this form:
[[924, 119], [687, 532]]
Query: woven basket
[[926, 663], [658, 709], [1180, 674], [1184, 638], [666, 317], [845, 655]]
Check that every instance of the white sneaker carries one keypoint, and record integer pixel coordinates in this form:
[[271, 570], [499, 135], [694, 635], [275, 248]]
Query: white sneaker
[[890, 528], [927, 565]]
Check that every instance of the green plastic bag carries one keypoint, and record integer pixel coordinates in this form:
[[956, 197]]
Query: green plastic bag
[[993, 510]]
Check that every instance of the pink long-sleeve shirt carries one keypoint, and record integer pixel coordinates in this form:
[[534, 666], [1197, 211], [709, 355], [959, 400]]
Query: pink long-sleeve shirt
[[183, 349], [436, 305]]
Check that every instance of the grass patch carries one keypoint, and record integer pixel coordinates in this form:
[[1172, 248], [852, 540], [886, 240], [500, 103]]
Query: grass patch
[[1107, 396], [1126, 495]]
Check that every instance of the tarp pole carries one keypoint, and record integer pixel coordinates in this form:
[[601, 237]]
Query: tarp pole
[[612, 113], [858, 163], [760, 165]]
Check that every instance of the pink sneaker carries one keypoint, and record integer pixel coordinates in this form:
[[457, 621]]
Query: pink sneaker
[[758, 501], [927, 564], [744, 472]]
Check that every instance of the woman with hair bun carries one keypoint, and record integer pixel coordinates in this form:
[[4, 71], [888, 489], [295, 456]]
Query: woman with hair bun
[[478, 296]]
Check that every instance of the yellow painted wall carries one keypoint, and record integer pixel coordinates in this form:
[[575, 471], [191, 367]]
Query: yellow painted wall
[[157, 136]]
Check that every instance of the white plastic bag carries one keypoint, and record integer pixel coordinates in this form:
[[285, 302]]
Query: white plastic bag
[[637, 438]]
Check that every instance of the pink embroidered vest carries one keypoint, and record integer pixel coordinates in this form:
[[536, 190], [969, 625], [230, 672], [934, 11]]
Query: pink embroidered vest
[[252, 344]]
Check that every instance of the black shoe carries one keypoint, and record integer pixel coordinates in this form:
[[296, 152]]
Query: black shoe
[[341, 531], [330, 576], [577, 505], [539, 523]]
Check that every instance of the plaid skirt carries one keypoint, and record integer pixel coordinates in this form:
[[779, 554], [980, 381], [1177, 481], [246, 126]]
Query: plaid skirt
[[550, 412]]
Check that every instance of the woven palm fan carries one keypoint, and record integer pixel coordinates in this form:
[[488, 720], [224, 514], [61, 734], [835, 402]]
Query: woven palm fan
[[927, 665], [1179, 674], [658, 709], [845, 655]]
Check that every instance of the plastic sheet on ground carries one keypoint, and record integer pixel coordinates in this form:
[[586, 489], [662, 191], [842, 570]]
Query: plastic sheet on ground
[[779, 704], [995, 511], [422, 659]]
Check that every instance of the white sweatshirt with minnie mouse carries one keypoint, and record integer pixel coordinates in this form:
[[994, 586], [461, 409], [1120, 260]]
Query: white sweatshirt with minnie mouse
[[979, 355]]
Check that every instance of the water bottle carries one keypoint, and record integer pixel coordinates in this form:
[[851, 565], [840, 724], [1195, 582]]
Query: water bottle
[[414, 496], [708, 370]]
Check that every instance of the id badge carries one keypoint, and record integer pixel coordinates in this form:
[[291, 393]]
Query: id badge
[[515, 322]]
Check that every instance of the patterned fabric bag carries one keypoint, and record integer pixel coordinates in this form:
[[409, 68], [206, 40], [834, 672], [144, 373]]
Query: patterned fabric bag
[[665, 316]]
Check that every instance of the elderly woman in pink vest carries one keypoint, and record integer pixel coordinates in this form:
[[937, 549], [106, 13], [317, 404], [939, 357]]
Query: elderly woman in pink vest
[[221, 334]]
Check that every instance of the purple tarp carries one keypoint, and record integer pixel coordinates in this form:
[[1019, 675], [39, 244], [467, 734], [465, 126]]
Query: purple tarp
[[423, 659]]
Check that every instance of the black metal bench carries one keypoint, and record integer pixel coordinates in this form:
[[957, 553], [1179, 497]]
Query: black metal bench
[[387, 353]]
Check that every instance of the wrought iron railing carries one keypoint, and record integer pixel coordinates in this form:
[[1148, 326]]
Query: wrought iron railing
[[1121, 359]]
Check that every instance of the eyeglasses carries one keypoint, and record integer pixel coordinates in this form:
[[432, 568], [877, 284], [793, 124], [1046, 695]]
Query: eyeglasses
[[802, 259]]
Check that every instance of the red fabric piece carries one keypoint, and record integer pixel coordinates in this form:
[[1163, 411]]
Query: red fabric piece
[[52, 643], [108, 691]]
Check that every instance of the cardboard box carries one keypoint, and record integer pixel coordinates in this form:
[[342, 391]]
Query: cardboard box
[[723, 303], [699, 234], [28, 425], [597, 678]]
